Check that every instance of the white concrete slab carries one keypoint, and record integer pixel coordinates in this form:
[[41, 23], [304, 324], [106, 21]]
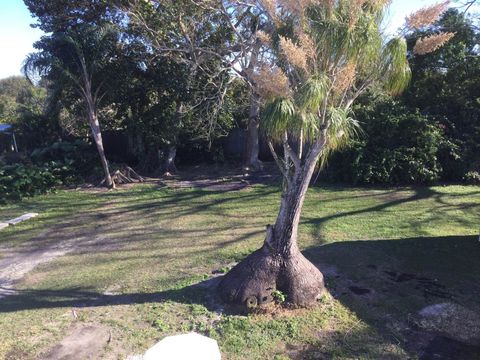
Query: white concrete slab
[[22, 218], [3, 225], [184, 347]]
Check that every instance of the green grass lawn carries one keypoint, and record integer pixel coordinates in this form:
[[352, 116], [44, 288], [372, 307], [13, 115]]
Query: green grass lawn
[[150, 245]]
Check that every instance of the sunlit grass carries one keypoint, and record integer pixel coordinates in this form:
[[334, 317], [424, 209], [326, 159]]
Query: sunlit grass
[[156, 242]]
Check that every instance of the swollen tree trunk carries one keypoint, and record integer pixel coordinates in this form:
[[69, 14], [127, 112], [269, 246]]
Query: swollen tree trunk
[[252, 147], [279, 264], [97, 137]]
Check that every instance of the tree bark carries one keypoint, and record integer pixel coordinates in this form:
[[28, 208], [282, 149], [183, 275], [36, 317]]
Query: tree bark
[[252, 147], [97, 137], [279, 264], [91, 100], [169, 163]]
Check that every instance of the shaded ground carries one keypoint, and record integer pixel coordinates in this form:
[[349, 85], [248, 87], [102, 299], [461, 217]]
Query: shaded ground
[[222, 179], [145, 247], [387, 283]]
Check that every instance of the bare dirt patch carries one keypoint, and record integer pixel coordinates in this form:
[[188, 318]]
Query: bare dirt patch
[[17, 264], [84, 232], [211, 184], [83, 342], [232, 179]]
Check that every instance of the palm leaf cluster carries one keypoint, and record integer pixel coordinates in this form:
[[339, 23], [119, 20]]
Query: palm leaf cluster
[[348, 54]]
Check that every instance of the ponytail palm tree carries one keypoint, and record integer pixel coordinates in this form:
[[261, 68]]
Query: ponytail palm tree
[[74, 60], [322, 56]]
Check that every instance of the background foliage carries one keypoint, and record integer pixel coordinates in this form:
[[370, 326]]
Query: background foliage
[[429, 134]]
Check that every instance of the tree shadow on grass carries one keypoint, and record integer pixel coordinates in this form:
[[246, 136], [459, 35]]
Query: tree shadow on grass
[[387, 282], [201, 293], [389, 200]]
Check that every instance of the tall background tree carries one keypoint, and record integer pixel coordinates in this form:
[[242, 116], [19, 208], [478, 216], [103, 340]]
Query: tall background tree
[[157, 103], [236, 48], [446, 86], [191, 39], [74, 61], [65, 15]]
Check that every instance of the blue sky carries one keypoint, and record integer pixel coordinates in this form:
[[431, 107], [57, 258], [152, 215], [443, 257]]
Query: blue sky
[[17, 37], [399, 9]]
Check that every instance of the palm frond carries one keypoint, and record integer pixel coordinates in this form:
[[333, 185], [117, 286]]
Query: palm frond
[[36, 65], [305, 124], [312, 94], [396, 67], [277, 117], [343, 128]]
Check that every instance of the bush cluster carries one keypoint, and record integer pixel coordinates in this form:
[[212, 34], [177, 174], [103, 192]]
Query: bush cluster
[[63, 163], [397, 146], [18, 181]]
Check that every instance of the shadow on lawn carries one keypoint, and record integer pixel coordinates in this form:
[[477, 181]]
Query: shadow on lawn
[[394, 267], [384, 282], [200, 293], [387, 282]]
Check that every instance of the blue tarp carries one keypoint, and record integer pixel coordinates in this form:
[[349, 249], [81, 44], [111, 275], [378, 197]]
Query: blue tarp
[[5, 128]]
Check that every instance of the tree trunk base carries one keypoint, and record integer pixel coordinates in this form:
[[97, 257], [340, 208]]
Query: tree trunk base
[[252, 282], [253, 166], [126, 175]]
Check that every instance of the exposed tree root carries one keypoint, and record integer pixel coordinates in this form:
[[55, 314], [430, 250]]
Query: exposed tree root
[[125, 175]]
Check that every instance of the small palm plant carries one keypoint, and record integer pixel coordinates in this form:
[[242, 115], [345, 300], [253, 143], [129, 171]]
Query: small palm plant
[[319, 57]]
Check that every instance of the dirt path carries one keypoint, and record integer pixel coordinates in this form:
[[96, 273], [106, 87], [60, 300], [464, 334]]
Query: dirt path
[[83, 342], [80, 232], [16, 264]]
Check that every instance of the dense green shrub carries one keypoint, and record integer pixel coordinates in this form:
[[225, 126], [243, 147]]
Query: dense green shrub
[[446, 86], [78, 155], [397, 146], [62, 163], [19, 180]]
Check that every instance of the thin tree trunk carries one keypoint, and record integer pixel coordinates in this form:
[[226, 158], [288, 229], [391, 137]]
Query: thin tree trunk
[[91, 100], [97, 137], [169, 163], [252, 148], [279, 264], [171, 150]]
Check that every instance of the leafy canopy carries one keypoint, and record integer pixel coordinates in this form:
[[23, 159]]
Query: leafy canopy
[[331, 52], [322, 56]]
